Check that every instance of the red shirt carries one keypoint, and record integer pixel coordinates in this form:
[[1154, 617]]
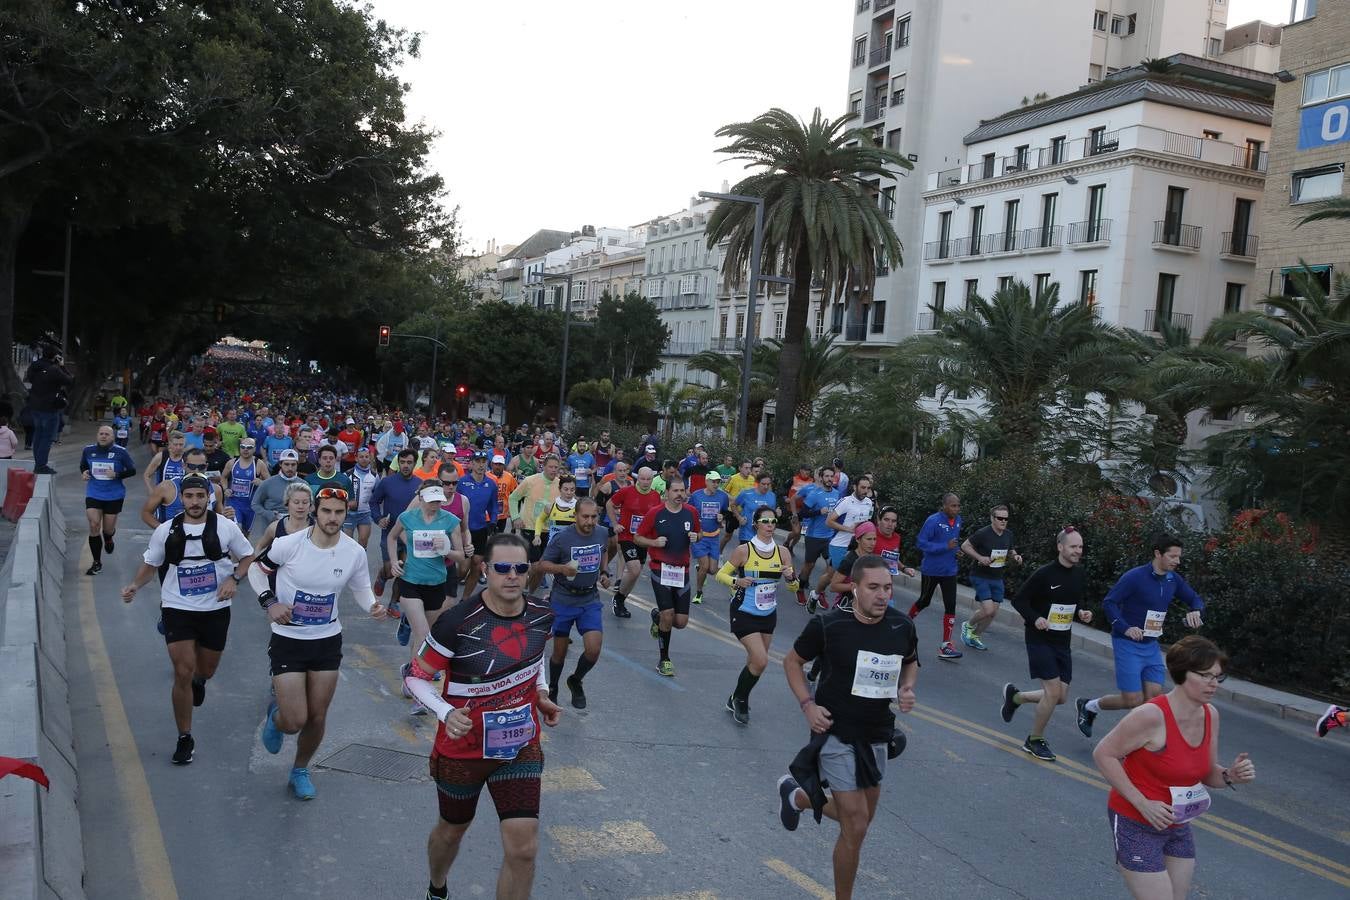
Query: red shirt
[[888, 548], [633, 507], [352, 438], [1155, 773]]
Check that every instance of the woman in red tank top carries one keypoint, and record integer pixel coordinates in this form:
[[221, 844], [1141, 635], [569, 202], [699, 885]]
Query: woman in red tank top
[[1160, 761]]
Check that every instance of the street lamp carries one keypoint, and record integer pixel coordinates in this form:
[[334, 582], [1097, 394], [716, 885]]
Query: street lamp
[[540, 278], [436, 345], [64, 275], [756, 248]]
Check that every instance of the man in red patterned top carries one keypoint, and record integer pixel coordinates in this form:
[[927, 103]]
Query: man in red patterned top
[[495, 693], [667, 532], [626, 509]]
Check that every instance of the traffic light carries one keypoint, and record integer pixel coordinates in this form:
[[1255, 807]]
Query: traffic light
[[384, 335], [461, 391]]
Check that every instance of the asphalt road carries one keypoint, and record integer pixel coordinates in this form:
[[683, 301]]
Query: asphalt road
[[651, 792]]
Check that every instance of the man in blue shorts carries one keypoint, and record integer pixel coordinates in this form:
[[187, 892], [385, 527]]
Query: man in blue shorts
[[1136, 608], [578, 559], [991, 548], [711, 502]]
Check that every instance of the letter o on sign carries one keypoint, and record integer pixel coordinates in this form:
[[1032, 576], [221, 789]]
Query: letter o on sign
[[1335, 123]]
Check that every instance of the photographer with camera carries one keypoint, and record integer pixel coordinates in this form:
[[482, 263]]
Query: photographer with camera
[[48, 381]]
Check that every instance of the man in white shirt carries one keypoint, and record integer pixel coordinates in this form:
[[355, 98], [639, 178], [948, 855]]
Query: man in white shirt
[[847, 514]]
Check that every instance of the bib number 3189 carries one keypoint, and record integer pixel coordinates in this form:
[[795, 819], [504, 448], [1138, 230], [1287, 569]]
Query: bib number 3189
[[876, 676]]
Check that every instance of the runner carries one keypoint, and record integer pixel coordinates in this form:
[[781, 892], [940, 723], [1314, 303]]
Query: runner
[[938, 539], [560, 514], [864, 544], [747, 501], [736, 483], [506, 483], [481, 491], [105, 465], [627, 509], [667, 532], [804, 478], [392, 495], [614, 481], [269, 501], [121, 426], [711, 502], [889, 541], [299, 502], [1048, 602], [817, 502], [312, 567], [1136, 608], [991, 547], [849, 512], [216, 458], [753, 573], [329, 476], [241, 478], [364, 478], [534, 495], [194, 598], [1159, 760], [581, 465], [231, 432], [871, 659], [166, 463], [574, 598], [166, 500], [490, 704]]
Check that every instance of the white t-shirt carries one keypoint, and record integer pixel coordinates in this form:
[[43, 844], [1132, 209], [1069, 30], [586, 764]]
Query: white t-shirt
[[363, 484], [850, 511], [309, 580], [194, 584]]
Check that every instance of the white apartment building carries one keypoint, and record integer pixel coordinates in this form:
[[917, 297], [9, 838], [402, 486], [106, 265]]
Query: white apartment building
[[549, 292], [681, 280], [1140, 196], [921, 71], [616, 270]]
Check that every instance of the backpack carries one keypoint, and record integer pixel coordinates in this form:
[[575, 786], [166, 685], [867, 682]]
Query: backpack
[[175, 545]]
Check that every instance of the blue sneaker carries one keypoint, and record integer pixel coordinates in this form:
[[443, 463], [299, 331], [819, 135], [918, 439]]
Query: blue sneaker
[[947, 651], [271, 734], [404, 631], [301, 786]]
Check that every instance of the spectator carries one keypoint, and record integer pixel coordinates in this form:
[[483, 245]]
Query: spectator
[[48, 379]]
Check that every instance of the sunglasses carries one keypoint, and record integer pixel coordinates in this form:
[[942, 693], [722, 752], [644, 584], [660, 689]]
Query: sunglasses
[[766, 521], [331, 493], [450, 483], [1000, 518], [505, 568], [192, 468]]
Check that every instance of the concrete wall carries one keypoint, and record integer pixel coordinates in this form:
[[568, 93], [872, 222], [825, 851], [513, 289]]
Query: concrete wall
[[41, 850]]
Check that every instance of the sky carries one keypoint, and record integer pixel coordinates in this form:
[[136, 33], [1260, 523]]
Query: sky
[[562, 114]]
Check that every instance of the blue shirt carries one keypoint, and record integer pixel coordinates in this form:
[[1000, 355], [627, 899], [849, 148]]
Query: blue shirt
[[106, 469], [425, 565], [1141, 591], [581, 461], [749, 500], [709, 508], [392, 495], [192, 439], [938, 558], [482, 499], [122, 427], [816, 505], [273, 446]]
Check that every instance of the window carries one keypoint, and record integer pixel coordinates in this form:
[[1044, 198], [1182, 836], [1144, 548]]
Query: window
[[1254, 151], [855, 104], [1087, 287], [1042, 284], [1210, 134], [837, 318], [1096, 206], [1020, 156], [1097, 139], [1099, 20], [1172, 217], [1048, 204], [898, 89], [987, 165], [820, 320], [1162, 305], [893, 139], [902, 33], [888, 201], [879, 317], [1242, 224], [944, 234], [1010, 224], [939, 296], [1215, 46], [976, 226], [1004, 282], [1058, 148], [778, 325], [972, 288], [859, 51], [1321, 274], [1317, 184], [1232, 297], [1117, 25], [1326, 85], [684, 251], [1131, 21]]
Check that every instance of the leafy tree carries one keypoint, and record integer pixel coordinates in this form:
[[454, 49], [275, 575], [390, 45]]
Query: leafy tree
[[821, 219], [630, 397], [880, 411], [823, 368], [726, 394], [629, 337], [671, 399]]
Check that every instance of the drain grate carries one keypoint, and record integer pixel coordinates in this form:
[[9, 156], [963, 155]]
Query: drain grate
[[377, 762]]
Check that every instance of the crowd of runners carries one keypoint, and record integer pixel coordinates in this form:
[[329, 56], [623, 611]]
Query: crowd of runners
[[496, 544]]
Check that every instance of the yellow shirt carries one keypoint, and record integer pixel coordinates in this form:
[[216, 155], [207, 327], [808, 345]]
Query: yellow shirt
[[737, 483], [556, 517]]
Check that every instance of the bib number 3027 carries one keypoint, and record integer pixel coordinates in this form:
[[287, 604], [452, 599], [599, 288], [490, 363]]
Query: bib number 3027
[[876, 675]]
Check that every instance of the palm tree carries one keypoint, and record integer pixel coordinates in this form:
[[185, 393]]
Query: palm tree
[[821, 219], [880, 411], [1020, 354], [670, 398], [824, 366], [727, 392], [1334, 208]]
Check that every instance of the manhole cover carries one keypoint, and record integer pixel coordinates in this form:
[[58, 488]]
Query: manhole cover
[[377, 762]]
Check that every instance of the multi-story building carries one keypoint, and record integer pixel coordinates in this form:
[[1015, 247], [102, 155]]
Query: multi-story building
[[1255, 45], [681, 278], [479, 271], [530, 271], [615, 270], [1310, 149], [914, 63], [511, 267]]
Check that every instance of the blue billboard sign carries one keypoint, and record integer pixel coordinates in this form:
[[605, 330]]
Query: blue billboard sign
[[1324, 124]]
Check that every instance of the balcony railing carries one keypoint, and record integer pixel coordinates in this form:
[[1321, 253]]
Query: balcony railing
[[685, 348], [1000, 242], [879, 56], [1097, 144], [1171, 233], [884, 4], [855, 331], [1239, 244], [1044, 237], [929, 321], [953, 248], [1090, 232], [874, 110], [1177, 320], [727, 344], [1250, 158]]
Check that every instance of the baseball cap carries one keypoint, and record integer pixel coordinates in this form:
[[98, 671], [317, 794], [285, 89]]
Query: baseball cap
[[698, 446], [714, 475], [479, 454], [194, 480], [432, 492], [351, 421], [427, 443], [498, 458], [289, 455], [650, 448]]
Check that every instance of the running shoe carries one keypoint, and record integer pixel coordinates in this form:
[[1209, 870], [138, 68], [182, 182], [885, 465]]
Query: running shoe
[[182, 754], [1038, 748], [1009, 704], [271, 734], [301, 786], [740, 710], [823, 601], [94, 569], [975, 642], [394, 610], [801, 599], [621, 611], [1334, 717], [698, 598], [378, 586], [438, 893], [1085, 717], [812, 603], [788, 813], [403, 672], [656, 628], [578, 692], [198, 691], [404, 631], [666, 668], [107, 543], [948, 652]]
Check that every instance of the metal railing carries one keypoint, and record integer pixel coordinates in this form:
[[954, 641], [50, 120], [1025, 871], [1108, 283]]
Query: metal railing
[[1177, 320], [1240, 244], [879, 56], [953, 248], [1171, 233], [1001, 242], [728, 344], [884, 4], [855, 331], [685, 348], [1097, 144], [1090, 232], [1042, 237], [1250, 158], [874, 110], [929, 321]]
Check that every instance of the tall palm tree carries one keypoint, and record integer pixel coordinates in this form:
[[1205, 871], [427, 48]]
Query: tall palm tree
[[821, 218], [824, 366], [1334, 208], [671, 398], [727, 392], [1020, 353]]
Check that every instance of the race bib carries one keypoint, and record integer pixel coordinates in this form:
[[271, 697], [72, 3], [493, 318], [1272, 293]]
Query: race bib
[[765, 596], [580, 473], [197, 581], [672, 576], [876, 676], [998, 559], [1189, 802], [1153, 622], [122, 434], [103, 470], [505, 731], [312, 609], [587, 559], [426, 544], [1061, 616], [633, 523], [892, 558]]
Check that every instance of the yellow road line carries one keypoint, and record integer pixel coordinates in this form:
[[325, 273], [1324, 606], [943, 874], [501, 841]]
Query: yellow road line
[[153, 869], [800, 879], [610, 839]]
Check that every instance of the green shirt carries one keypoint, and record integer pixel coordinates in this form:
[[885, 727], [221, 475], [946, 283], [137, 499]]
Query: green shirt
[[658, 484], [231, 433], [726, 471]]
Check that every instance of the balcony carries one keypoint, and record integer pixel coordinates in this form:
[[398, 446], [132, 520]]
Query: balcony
[[854, 331], [874, 110], [1240, 245], [929, 321], [1177, 320], [1043, 238], [1251, 158], [884, 4], [685, 348], [952, 248], [727, 344], [1095, 232], [1001, 242], [1169, 234], [879, 57]]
